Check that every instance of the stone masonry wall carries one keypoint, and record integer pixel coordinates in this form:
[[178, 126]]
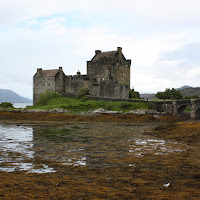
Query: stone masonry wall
[[41, 84]]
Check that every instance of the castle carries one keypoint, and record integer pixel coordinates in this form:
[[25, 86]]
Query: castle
[[108, 76]]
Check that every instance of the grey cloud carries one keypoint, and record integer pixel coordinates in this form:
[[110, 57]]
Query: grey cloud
[[188, 52]]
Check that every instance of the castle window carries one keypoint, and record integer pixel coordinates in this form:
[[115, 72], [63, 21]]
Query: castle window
[[122, 74]]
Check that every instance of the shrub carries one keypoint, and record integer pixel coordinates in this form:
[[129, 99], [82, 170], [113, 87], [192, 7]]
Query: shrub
[[133, 94], [45, 97], [83, 92], [6, 105]]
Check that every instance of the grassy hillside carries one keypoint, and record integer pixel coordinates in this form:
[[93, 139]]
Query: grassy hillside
[[83, 105]]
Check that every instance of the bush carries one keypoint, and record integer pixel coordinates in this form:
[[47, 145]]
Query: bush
[[83, 92], [133, 94], [6, 105], [45, 97]]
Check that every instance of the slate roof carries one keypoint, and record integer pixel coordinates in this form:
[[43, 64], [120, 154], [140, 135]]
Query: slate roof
[[108, 54], [49, 73]]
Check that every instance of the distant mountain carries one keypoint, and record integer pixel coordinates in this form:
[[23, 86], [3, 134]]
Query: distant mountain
[[147, 96], [183, 87], [190, 91], [12, 97], [185, 91]]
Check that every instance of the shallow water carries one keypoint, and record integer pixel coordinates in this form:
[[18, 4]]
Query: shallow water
[[95, 145], [22, 105]]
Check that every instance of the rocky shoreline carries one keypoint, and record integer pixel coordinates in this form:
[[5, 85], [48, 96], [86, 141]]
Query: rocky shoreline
[[96, 111], [99, 115]]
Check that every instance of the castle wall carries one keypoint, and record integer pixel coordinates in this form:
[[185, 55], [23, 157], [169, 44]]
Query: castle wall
[[41, 84], [101, 69], [73, 84], [122, 72], [116, 70], [103, 89], [60, 82], [113, 90], [43, 80]]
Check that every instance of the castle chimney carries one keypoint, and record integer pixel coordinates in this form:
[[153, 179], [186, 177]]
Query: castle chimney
[[119, 50], [97, 52], [78, 73], [39, 70], [60, 69], [61, 81]]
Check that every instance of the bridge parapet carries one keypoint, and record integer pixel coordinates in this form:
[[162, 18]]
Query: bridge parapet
[[177, 107]]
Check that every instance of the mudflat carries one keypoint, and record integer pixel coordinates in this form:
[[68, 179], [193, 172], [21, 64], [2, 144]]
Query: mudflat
[[173, 173]]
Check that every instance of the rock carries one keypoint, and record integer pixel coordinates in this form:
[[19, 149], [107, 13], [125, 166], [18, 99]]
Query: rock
[[112, 112], [156, 116], [152, 112], [99, 110], [163, 113], [57, 110], [35, 111], [144, 112], [138, 112]]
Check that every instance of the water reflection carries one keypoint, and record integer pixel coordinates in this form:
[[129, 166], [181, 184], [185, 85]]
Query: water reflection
[[144, 146], [15, 148], [93, 145]]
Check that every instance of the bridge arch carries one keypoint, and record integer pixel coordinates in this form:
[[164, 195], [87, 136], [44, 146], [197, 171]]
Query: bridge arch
[[197, 113], [181, 109]]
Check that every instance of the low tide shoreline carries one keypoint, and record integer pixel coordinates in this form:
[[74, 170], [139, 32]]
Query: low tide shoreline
[[79, 182], [99, 117]]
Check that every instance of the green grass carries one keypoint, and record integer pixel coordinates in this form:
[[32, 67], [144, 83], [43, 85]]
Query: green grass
[[187, 109], [77, 105]]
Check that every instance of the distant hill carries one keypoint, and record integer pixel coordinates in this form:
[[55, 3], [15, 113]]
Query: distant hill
[[190, 91], [147, 96], [185, 91], [183, 87], [12, 97]]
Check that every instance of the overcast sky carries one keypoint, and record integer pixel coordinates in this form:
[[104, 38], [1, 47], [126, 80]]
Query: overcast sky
[[161, 37]]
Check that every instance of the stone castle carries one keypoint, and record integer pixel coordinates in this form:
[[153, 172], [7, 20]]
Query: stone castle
[[108, 76]]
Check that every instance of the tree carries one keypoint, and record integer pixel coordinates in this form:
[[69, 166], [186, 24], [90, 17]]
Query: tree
[[161, 95], [169, 94]]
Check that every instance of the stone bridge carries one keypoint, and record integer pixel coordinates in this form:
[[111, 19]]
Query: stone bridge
[[177, 107]]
